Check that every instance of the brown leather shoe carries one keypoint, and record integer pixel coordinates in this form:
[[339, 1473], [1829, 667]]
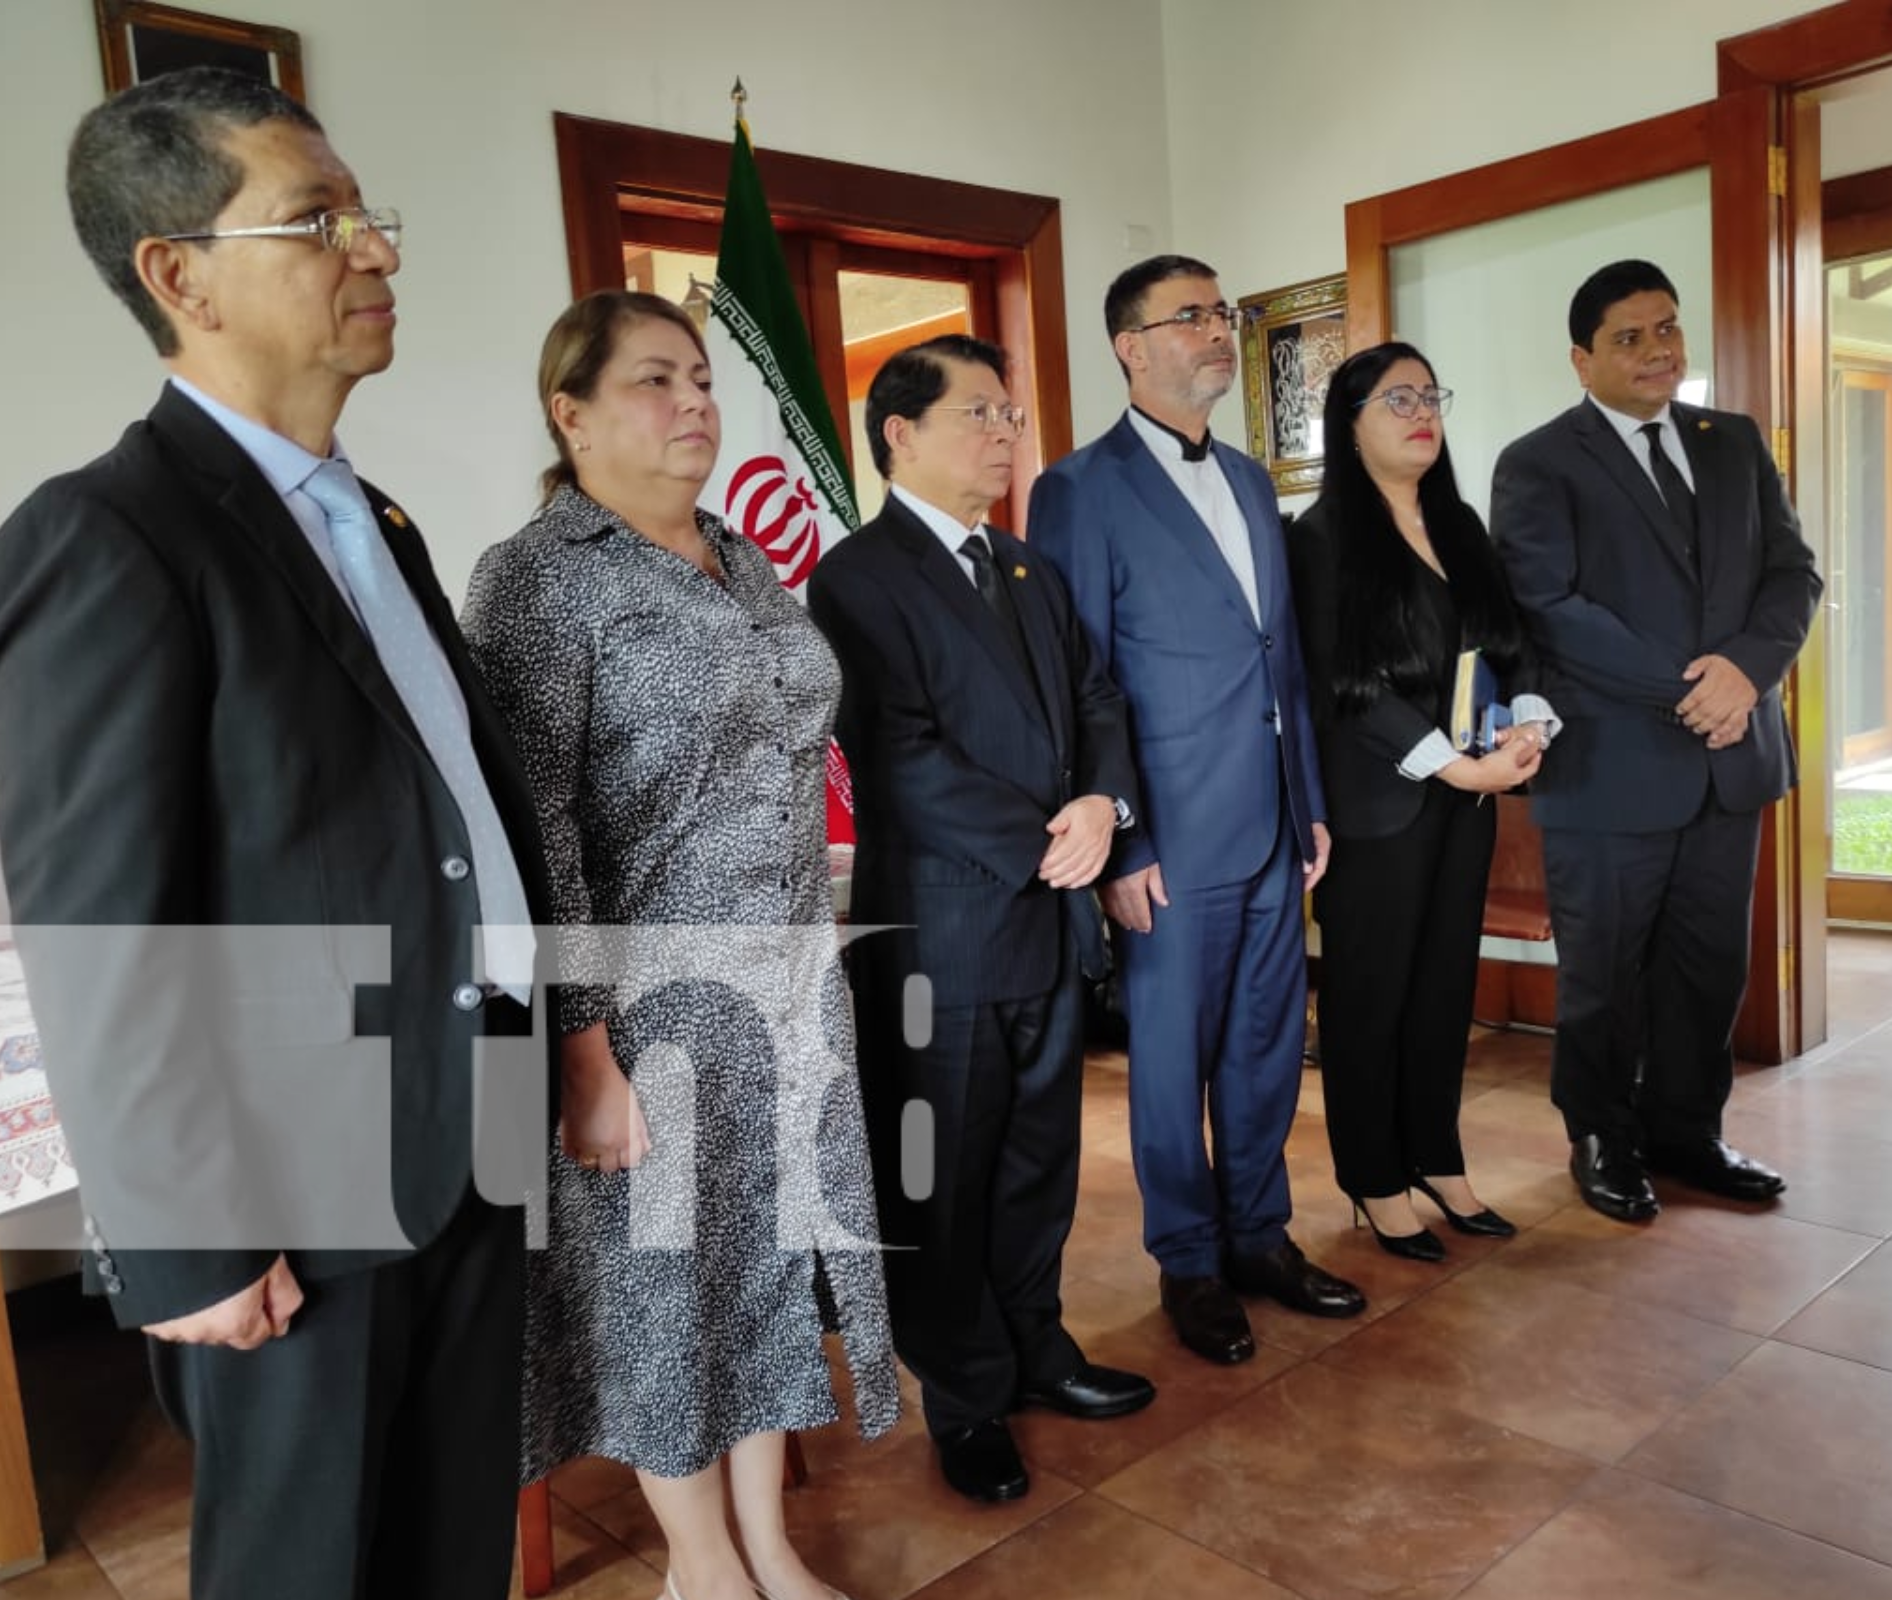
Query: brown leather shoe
[[1208, 1318]]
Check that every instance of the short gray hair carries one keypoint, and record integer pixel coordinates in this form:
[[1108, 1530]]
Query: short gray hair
[[150, 161]]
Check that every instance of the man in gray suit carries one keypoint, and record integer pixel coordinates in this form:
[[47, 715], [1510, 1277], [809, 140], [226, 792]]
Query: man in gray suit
[[231, 706], [1662, 572]]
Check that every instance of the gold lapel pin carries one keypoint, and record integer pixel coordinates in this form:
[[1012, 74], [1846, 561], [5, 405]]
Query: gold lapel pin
[[1704, 424], [395, 517], [1018, 572]]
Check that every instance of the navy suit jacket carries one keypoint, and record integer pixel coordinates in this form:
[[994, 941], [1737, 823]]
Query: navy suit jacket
[[1616, 610], [1202, 678], [959, 759]]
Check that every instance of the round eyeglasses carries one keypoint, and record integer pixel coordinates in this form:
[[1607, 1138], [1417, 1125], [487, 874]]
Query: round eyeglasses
[[1403, 400], [339, 230]]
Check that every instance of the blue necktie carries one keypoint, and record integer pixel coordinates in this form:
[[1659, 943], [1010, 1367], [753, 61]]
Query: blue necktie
[[416, 666]]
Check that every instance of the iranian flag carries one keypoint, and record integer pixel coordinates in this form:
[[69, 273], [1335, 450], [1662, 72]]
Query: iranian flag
[[780, 478]]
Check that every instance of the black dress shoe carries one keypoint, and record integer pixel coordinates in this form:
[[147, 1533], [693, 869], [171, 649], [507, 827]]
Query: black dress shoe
[[1208, 1319], [1485, 1224], [1091, 1392], [1284, 1274], [981, 1461], [1611, 1180], [1425, 1245], [1713, 1165]]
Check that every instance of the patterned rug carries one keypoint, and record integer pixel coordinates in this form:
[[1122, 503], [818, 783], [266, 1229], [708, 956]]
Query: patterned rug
[[34, 1163]]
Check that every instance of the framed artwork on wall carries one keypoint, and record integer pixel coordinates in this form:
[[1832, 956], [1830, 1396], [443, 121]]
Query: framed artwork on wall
[[140, 40], [1292, 339]]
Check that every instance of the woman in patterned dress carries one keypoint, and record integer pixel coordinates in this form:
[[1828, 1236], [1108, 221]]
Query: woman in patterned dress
[[672, 705]]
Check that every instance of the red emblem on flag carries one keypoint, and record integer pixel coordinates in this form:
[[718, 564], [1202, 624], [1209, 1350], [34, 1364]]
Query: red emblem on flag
[[778, 514]]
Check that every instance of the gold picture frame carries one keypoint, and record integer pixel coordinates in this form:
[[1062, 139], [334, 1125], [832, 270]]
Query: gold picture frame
[[139, 40], [1292, 339]]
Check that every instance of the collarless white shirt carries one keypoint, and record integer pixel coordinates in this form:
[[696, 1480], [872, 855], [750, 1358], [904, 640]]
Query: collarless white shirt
[[1206, 487]]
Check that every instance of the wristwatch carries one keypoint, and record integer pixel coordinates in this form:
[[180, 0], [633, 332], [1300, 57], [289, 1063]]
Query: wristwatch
[[1126, 818]]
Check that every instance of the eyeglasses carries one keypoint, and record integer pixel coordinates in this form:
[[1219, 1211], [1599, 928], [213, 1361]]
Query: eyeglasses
[[1199, 319], [340, 230], [1403, 400], [992, 418]]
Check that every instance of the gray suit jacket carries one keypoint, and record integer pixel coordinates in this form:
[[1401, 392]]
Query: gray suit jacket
[[198, 733], [1617, 610]]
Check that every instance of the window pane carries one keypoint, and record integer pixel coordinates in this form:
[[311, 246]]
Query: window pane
[[679, 275], [1859, 670], [882, 314], [1489, 306]]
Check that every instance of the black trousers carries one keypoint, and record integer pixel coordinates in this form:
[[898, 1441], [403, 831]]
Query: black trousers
[[372, 1452], [1399, 929], [1652, 948], [974, 1261]]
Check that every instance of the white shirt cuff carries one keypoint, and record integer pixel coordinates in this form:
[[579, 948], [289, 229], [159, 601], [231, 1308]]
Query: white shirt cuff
[[1535, 708], [1427, 757]]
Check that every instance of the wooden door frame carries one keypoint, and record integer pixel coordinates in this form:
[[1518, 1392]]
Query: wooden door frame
[[1790, 64], [606, 168], [1729, 136], [1768, 308]]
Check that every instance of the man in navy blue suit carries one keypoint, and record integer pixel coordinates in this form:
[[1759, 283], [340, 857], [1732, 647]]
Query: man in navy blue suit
[[1171, 546]]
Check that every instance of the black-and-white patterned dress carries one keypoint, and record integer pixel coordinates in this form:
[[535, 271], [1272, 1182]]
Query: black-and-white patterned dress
[[675, 731]]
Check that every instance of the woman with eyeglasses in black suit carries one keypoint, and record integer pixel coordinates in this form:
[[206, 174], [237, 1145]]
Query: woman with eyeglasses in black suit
[[1394, 579]]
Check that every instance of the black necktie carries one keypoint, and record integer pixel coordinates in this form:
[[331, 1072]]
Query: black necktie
[[993, 591], [1676, 494]]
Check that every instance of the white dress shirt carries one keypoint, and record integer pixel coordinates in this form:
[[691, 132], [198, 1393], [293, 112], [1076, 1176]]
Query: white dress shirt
[[1631, 430], [1206, 488]]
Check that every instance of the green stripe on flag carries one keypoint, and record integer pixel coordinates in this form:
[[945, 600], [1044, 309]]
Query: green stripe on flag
[[756, 303]]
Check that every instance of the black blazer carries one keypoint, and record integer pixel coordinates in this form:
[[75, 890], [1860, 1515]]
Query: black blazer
[[1360, 752], [959, 758], [197, 731], [1617, 611]]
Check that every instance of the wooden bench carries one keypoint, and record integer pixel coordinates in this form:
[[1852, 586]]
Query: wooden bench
[[1517, 958]]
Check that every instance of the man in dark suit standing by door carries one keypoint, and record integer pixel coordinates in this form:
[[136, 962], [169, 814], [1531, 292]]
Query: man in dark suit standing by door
[[1662, 572], [991, 770], [232, 696], [1172, 549]]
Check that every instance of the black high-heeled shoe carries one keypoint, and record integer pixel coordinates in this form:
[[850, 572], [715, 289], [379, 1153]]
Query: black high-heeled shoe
[[1485, 1224], [1425, 1245]]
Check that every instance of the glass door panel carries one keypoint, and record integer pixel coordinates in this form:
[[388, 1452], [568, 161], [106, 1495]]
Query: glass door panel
[[1488, 305], [1859, 446]]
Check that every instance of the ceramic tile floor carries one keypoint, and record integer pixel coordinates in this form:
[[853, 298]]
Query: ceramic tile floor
[[1699, 1408]]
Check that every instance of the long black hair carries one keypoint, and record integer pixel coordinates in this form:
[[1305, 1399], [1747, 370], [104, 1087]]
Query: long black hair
[[1385, 636]]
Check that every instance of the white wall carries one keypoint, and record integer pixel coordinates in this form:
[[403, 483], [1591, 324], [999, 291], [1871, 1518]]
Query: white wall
[[1281, 113], [444, 108]]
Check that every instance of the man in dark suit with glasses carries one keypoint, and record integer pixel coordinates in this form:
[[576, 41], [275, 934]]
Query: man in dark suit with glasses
[[991, 771], [247, 764], [1172, 549]]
